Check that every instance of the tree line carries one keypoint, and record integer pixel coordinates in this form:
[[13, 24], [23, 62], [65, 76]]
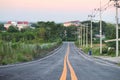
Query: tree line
[[42, 32], [109, 30]]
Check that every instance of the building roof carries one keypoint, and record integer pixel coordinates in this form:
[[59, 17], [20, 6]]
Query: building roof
[[9, 22], [22, 22], [77, 21]]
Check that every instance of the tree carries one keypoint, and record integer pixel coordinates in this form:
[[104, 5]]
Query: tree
[[12, 29], [42, 32], [110, 31], [71, 33], [110, 34], [2, 28]]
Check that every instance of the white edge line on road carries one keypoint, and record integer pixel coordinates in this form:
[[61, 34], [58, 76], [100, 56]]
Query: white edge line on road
[[95, 60]]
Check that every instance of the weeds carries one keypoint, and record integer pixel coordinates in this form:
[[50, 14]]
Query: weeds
[[22, 52], [96, 50]]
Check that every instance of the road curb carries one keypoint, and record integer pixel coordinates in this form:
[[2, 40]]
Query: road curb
[[106, 60], [99, 60]]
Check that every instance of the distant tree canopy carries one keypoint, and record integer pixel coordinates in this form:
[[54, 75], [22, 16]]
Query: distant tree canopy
[[12, 29], [71, 33], [50, 31], [108, 29], [43, 32], [96, 29], [2, 28]]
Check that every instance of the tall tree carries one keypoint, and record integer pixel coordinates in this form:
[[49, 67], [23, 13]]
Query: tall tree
[[2, 28]]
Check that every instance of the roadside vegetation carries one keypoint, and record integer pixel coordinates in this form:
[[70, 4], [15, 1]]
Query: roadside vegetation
[[109, 32], [32, 43], [96, 50], [36, 42], [29, 44], [22, 52]]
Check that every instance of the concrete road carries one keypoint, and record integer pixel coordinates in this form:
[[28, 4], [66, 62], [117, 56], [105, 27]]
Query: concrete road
[[66, 63]]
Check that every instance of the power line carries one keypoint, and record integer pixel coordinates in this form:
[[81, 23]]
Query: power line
[[105, 9], [95, 11], [101, 10]]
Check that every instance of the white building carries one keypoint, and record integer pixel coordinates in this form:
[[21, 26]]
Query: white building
[[22, 24], [9, 23], [19, 24], [72, 23], [98, 36]]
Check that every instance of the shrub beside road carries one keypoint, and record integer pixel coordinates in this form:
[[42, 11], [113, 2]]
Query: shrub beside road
[[22, 52]]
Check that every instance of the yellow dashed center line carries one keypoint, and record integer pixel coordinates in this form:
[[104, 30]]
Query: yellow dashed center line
[[72, 72]]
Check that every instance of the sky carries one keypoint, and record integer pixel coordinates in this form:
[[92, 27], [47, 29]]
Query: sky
[[52, 10]]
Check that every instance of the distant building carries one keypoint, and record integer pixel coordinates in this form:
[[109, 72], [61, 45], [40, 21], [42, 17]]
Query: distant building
[[19, 24], [10, 23], [72, 23], [22, 24], [98, 36]]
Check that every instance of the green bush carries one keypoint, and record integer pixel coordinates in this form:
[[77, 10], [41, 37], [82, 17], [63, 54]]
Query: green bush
[[22, 52], [111, 51], [104, 50], [21, 58]]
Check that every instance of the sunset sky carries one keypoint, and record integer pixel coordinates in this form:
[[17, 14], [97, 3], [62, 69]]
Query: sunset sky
[[52, 10]]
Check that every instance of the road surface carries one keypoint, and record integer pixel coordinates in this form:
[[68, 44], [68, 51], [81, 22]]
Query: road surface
[[66, 63]]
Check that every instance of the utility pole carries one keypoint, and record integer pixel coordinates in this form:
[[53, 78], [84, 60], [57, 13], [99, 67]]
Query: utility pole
[[65, 33], [91, 33], [86, 35], [117, 43], [91, 16], [81, 36], [100, 29]]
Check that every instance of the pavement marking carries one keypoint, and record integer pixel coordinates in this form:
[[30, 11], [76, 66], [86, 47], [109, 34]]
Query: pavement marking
[[64, 73], [96, 61], [72, 72]]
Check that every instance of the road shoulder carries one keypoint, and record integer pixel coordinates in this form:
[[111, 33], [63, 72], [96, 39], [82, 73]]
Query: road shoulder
[[114, 60]]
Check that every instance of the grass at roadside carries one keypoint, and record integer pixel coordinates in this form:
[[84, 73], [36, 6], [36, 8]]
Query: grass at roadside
[[21, 52], [96, 50], [118, 64]]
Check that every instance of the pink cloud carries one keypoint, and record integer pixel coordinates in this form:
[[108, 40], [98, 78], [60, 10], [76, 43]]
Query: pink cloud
[[54, 5]]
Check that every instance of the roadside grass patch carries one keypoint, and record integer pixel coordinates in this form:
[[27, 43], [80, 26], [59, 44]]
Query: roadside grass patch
[[21, 52], [118, 64], [96, 50]]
